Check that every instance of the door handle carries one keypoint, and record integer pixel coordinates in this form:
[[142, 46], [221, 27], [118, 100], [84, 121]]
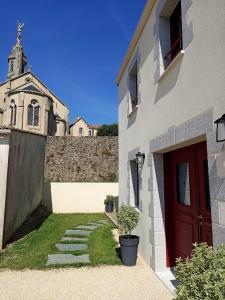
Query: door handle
[[200, 217]]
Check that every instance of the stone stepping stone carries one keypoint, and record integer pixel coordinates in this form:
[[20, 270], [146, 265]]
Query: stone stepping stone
[[96, 224], [73, 239], [67, 259], [77, 232], [71, 247], [103, 222], [87, 227]]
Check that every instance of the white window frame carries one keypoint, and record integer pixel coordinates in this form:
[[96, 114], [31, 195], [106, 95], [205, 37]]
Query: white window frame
[[90, 132], [187, 35], [135, 63], [81, 130]]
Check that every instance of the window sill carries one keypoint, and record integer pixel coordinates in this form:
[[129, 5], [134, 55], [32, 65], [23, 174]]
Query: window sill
[[133, 110], [170, 66]]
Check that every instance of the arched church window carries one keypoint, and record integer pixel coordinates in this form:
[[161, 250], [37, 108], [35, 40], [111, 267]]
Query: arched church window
[[11, 66], [33, 113], [13, 111]]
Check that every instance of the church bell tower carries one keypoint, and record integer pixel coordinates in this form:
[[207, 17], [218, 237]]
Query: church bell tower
[[17, 60]]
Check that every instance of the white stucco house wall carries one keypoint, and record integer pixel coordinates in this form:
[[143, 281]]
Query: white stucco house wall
[[171, 91]]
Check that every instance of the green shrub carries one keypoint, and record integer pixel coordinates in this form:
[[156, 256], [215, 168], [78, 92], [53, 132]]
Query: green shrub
[[108, 130], [109, 199], [128, 218], [202, 276]]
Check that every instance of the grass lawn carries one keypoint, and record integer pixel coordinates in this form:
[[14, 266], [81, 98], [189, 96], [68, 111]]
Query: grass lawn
[[32, 251]]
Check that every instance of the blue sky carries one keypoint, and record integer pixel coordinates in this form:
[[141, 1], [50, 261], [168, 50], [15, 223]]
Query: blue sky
[[75, 47]]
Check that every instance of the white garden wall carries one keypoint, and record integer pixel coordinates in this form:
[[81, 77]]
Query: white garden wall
[[77, 197]]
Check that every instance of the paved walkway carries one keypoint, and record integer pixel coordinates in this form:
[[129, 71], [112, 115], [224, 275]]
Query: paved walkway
[[103, 283]]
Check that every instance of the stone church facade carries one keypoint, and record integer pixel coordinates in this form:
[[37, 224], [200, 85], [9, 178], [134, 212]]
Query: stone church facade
[[26, 103]]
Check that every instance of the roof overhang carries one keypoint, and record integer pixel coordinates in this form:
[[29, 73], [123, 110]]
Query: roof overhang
[[141, 25]]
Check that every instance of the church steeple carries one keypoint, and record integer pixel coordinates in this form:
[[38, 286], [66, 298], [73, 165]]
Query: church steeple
[[17, 60]]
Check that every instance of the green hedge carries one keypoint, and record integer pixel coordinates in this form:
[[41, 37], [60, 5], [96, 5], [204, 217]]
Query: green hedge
[[202, 276]]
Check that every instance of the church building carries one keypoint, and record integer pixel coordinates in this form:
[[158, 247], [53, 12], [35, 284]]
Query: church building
[[26, 103]]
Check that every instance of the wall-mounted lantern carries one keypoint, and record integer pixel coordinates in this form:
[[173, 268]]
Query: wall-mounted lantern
[[140, 158], [220, 129]]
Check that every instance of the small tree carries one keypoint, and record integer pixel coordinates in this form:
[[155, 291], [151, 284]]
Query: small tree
[[109, 199], [127, 218], [108, 130]]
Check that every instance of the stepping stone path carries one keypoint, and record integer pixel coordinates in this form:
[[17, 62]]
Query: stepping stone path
[[95, 224], [71, 247], [67, 259], [87, 227], [103, 222], [79, 234], [74, 239]]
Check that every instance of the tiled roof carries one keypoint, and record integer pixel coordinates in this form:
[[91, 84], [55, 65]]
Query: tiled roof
[[94, 126]]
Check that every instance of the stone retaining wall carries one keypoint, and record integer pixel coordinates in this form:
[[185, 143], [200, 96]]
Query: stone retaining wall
[[81, 159]]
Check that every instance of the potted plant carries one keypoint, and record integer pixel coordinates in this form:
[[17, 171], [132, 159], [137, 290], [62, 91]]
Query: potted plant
[[109, 203], [128, 218]]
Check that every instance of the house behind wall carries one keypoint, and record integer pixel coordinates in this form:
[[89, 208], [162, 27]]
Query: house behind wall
[[22, 157], [179, 94], [80, 128]]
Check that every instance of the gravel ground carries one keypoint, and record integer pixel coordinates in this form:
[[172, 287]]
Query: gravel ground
[[111, 282]]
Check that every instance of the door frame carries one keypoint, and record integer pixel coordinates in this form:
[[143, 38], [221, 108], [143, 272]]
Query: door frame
[[169, 194]]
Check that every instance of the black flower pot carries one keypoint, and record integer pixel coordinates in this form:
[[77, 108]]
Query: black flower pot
[[128, 249], [109, 207]]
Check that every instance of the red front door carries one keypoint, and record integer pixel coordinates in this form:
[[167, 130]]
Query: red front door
[[187, 201]]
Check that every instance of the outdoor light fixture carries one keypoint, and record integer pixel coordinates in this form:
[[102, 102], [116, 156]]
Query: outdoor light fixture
[[220, 129], [140, 157]]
